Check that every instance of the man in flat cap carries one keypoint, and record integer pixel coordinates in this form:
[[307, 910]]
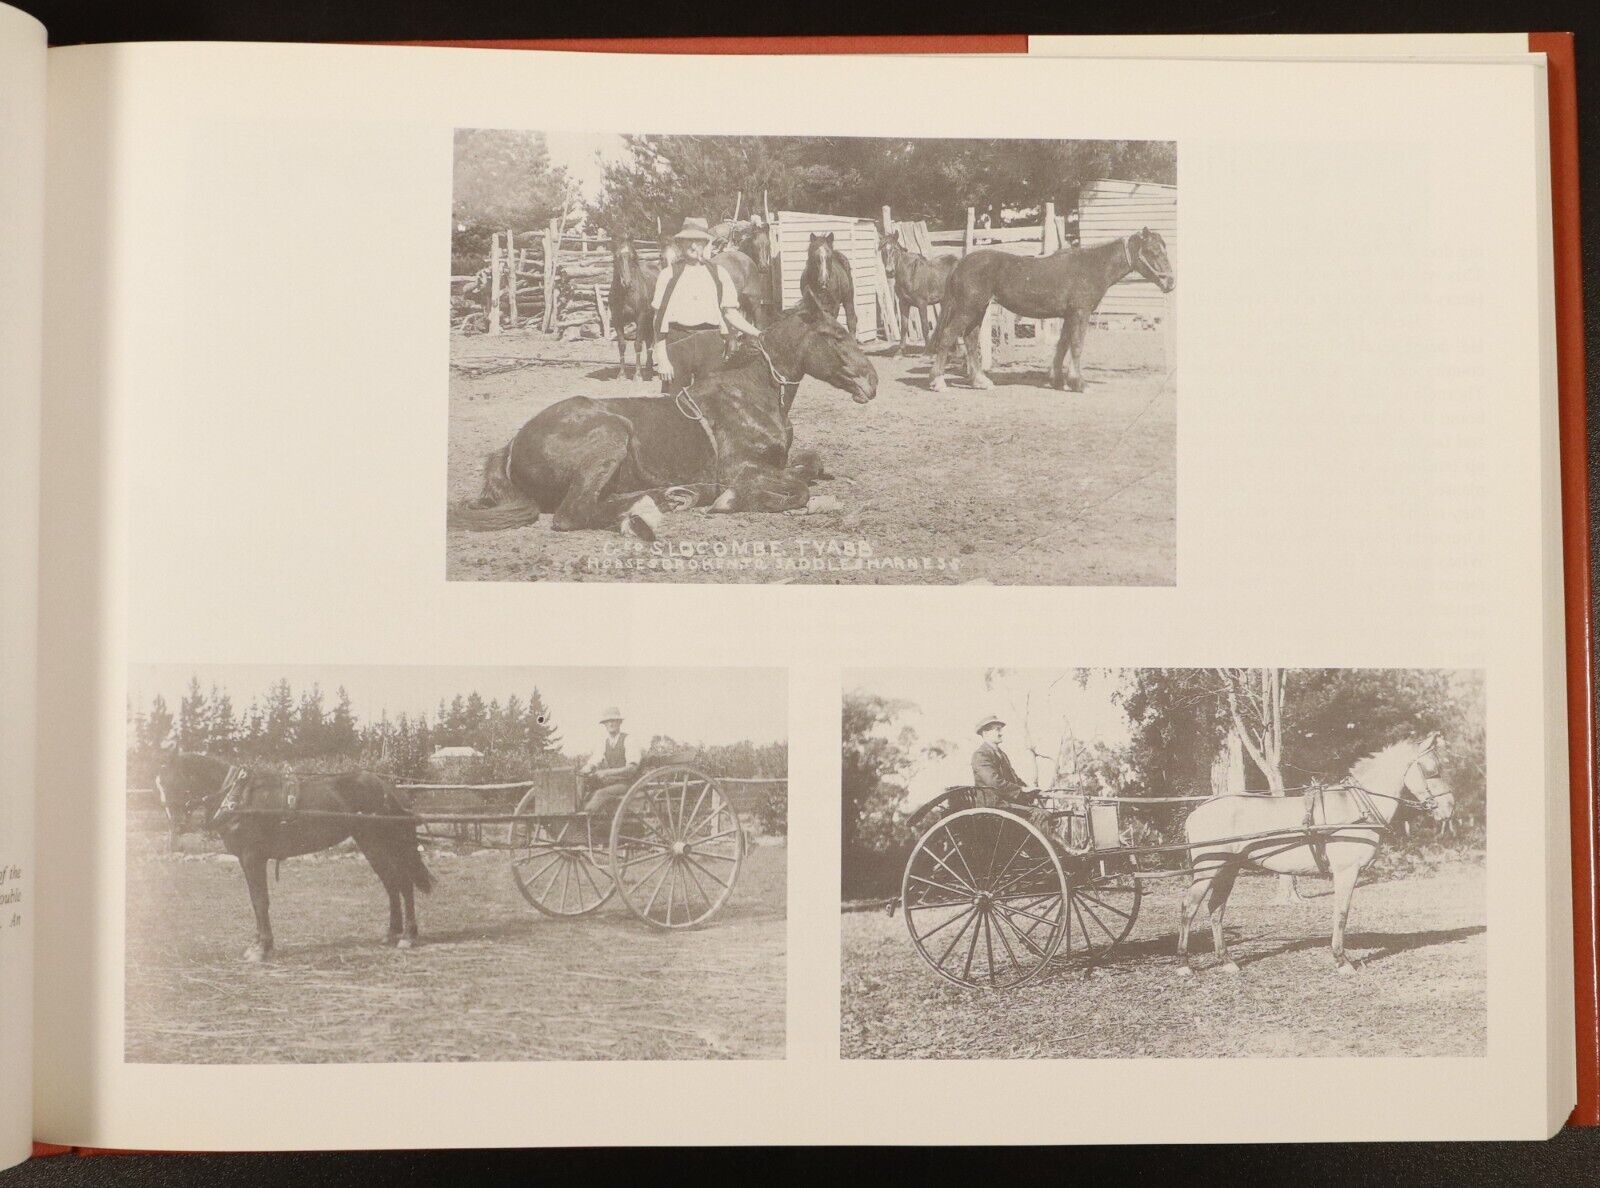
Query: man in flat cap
[[612, 768], [696, 303], [1000, 785]]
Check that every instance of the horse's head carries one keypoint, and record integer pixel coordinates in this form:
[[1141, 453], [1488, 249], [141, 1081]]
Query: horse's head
[[891, 249], [806, 341], [821, 247], [1425, 782], [754, 241], [1147, 252]]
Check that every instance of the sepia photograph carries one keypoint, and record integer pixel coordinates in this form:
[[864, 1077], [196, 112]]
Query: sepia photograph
[[384, 864], [817, 359], [1041, 863]]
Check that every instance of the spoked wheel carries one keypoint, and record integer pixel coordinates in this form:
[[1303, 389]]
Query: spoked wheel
[[984, 897], [1104, 897], [676, 848], [556, 870]]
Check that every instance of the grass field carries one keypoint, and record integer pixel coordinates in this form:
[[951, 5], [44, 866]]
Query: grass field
[[1421, 990], [491, 980], [1018, 485]]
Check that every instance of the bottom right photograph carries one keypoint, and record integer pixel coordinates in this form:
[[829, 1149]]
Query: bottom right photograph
[[1149, 862]]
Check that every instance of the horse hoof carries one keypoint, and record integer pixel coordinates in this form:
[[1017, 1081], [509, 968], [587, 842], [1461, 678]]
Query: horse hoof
[[405, 942], [255, 954], [392, 939], [680, 498], [1348, 968], [983, 383], [1231, 967], [1186, 971], [641, 520], [724, 502], [937, 385]]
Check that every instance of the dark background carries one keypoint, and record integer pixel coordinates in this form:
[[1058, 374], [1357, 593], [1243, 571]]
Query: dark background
[[1573, 1157]]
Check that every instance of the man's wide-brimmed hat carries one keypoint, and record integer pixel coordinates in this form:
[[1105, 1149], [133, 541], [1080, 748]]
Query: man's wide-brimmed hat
[[695, 229], [991, 720], [612, 714]]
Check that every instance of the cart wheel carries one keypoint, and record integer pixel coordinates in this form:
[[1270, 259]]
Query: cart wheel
[[1104, 896], [556, 870], [985, 899], [676, 848]]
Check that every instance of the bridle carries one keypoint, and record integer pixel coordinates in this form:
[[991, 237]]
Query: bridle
[[1427, 762], [786, 387], [232, 784], [1141, 263]]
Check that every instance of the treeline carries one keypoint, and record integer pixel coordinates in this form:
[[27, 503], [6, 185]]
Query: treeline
[[309, 731], [1181, 722]]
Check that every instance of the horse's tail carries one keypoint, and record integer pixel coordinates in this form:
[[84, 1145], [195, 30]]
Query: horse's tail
[[421, 876], [499, 505]]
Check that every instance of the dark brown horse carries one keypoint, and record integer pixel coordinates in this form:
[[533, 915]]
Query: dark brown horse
[[827, 282], [182, 784], [263, 815], [615, 463], [1067, 285], [632, 285], [750, 280], [918, 282]]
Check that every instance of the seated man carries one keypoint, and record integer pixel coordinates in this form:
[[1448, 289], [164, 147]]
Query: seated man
[[612, 769], [998, 784]]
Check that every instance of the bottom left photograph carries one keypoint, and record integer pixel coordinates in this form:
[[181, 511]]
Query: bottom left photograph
[[395, 864]]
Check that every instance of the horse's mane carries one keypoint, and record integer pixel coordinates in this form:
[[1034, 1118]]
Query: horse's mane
[[1385, 769]]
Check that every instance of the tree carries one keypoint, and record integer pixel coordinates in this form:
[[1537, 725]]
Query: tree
[[341, 735], [539, 728], [503, 180], [191, 724], [158, 723]]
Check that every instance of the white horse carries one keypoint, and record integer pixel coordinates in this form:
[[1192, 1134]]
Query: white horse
[[1335, 830]]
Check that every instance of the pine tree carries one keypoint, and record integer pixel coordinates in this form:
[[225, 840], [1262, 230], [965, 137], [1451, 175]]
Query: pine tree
[[158, 723], [222, 729], [342, 738], [191, 725], [543, 739]]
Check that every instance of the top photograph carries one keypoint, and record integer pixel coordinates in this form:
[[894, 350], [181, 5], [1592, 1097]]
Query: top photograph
[[812, 359]]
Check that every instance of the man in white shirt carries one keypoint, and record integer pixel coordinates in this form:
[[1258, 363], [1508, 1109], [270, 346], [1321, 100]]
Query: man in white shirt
[[612, 768], [696, 302]]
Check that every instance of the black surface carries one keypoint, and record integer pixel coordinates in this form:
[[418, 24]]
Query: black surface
[[1573, 1157]]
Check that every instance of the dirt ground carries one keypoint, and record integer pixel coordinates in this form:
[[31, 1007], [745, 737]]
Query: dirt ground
[[1421, 990], [1018, 485], [492, 979]]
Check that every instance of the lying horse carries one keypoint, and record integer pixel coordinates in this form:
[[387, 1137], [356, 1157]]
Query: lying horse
[[1067, 285], [264, 815], [1298, 840], [632, 285], [827, 282], [918, 281], [614, 463]]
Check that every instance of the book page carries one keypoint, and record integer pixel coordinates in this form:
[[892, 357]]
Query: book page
[[22, 85], [382, 447]]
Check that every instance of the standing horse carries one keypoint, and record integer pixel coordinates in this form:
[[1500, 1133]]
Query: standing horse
[[1406, 772], [613, 463], [263, 816], [632, 285], [918, 281], [749, 280], [827, 282], [1068, 285]]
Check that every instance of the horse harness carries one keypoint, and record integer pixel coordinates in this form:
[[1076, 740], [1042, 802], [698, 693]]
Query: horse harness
[[1364, 799], [685, 403]]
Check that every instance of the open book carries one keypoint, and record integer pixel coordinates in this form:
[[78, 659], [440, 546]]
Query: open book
[[437, 487]]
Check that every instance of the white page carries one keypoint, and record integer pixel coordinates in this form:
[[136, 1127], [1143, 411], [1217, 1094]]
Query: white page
[[1390, 473], [22, 86]]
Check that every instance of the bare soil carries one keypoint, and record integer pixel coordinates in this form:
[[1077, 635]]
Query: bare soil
[[1421, 990], [491, 980], [1018, 485]]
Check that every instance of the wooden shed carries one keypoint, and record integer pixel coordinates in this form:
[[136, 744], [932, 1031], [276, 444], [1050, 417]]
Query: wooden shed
[[856, 239], [1109, 209]]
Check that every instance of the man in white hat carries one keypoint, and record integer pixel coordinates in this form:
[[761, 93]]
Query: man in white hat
[[612, 768], [696, 303]]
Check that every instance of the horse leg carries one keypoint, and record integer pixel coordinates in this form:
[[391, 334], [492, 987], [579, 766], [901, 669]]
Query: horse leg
[[1077, 325], [622, 349], [1344, 889], [1063, 341], [1221, 890], [1192, 899], [974, 359], [584, 505], [408, 893], [254, 866], [925, 313]]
